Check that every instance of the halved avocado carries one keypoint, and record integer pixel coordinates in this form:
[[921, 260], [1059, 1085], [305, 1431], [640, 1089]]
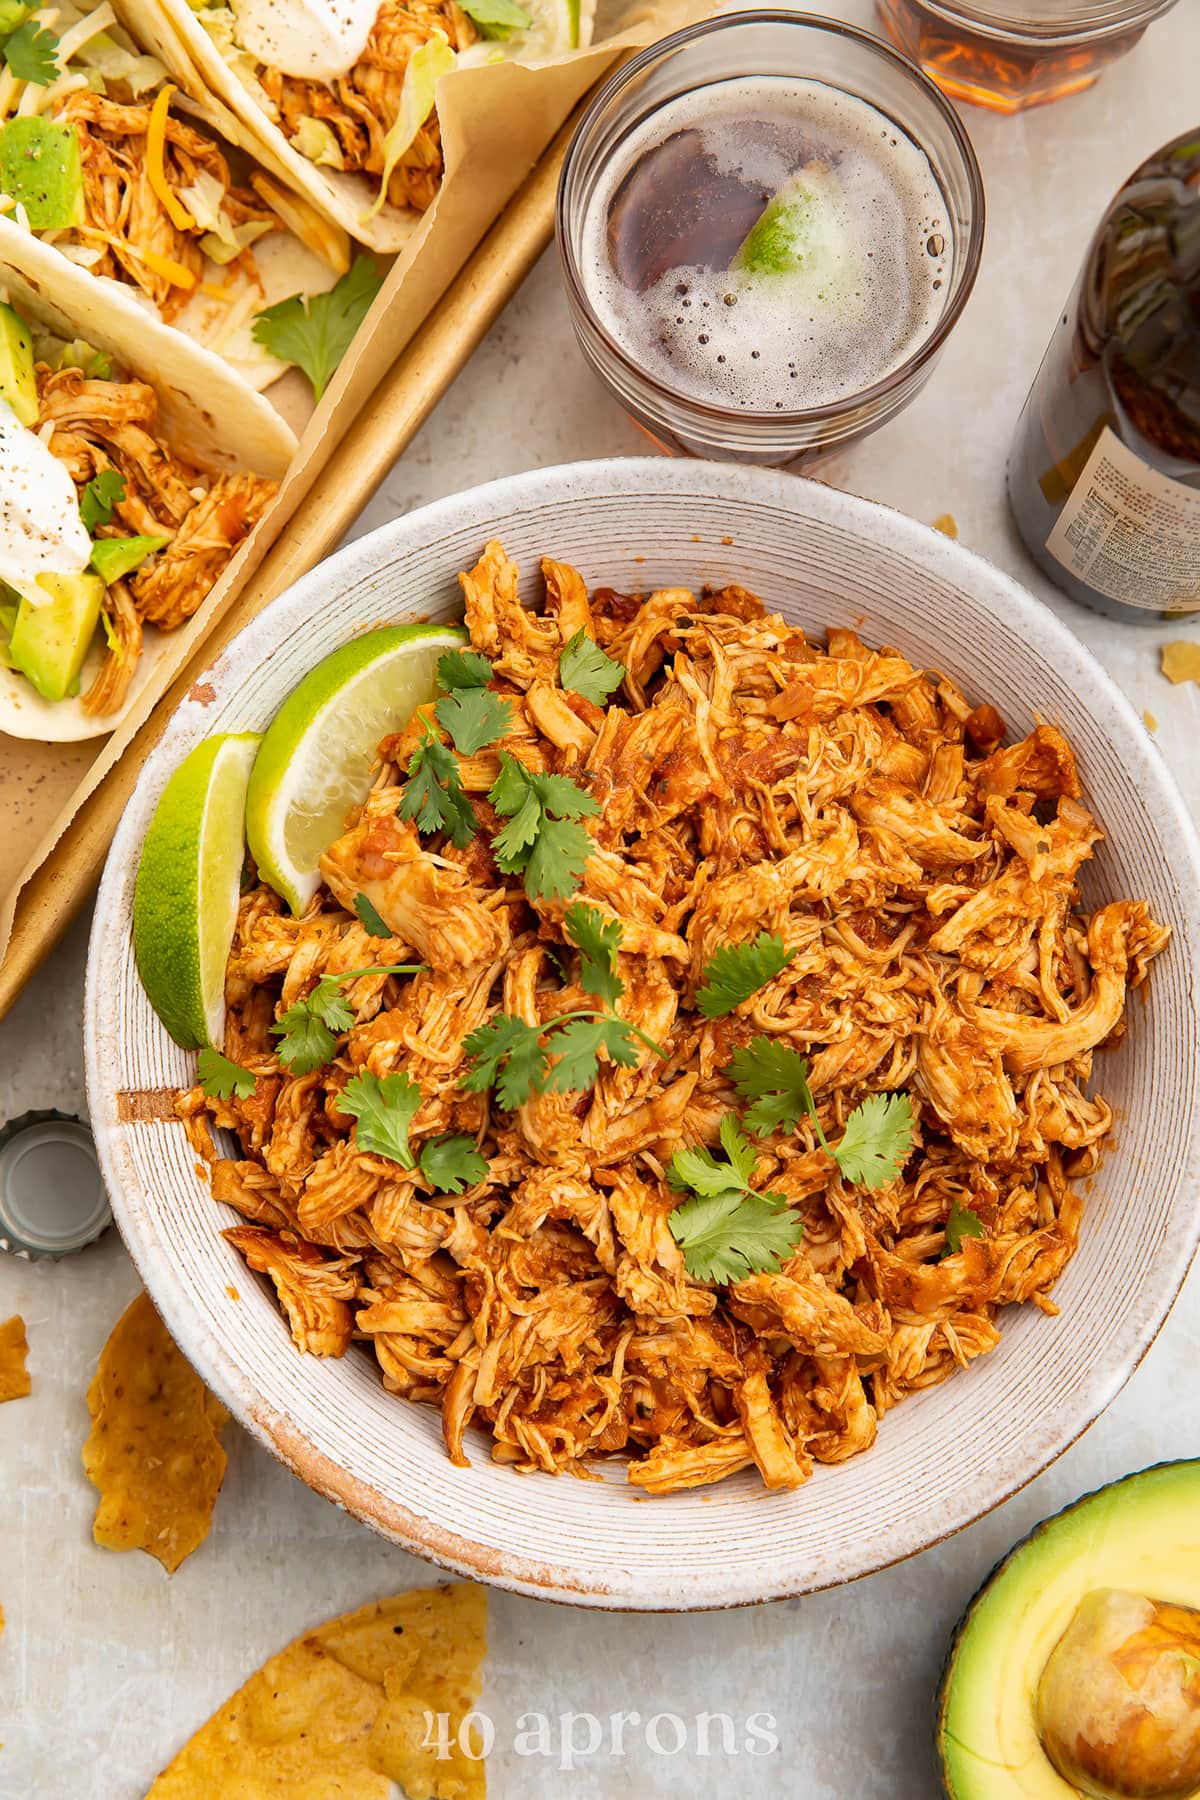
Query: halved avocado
[[1121, 1704]]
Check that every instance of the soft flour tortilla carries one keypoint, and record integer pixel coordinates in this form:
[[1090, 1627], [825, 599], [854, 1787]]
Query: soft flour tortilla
[[206, 413], [173, 33]]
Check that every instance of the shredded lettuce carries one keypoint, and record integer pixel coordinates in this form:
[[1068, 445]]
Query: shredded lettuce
[[317, 142], [426, 67], [108, 61], [227, 243]]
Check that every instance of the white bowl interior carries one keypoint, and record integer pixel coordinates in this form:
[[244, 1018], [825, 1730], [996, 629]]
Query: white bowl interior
[[943, 1457]]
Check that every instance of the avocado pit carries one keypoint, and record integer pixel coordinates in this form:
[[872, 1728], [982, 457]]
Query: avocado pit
[[1118, 1704]]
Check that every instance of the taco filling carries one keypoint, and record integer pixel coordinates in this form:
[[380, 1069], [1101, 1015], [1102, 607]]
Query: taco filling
[[351, 83], [103, 527], [97, 158]]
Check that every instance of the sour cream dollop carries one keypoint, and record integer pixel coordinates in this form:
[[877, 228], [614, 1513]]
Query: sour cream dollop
[[321, 39], [41, 532]]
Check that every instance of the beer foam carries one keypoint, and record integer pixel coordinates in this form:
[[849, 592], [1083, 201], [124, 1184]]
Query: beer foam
[[783, 342]]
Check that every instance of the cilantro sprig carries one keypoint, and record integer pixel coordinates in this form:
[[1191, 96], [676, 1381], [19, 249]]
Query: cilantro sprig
[[222, 1078], [308, 1031], [543, 840], [384, 1106], [434, 795], [878, 1135], [515, 1058], [585, 669], [735, 971], [962, 1222], [31, 54], [469, 711], [452, 1163], [98, 498], [369, 917], [727, 1229], [315, 331]]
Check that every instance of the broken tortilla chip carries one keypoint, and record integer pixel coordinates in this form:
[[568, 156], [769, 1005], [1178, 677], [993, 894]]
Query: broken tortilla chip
[[1180, 660], [154, 1450], [14, 1376], [350, 1708]]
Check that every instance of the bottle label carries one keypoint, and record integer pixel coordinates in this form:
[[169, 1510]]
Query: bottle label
[[1130, 532]]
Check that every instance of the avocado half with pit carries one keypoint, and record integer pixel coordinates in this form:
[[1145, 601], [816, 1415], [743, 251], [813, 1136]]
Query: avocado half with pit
[[1076, 1668]]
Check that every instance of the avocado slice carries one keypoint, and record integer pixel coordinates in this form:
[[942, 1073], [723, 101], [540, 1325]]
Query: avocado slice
[[50, 641], [1138, 1539], [18, 384]]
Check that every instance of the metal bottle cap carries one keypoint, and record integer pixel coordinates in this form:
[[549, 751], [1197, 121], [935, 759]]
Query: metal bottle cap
[[52, 1198]]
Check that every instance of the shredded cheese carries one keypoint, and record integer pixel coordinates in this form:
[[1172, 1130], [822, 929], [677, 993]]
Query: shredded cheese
[[168, 268], [156, 138]]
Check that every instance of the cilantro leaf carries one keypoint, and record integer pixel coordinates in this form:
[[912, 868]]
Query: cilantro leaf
[[222, 1078], [542, 841], [962, 1223], [369, 918], [577, 1046], [726, 1236], [434, 795], [584, 669], [384, 1107], [308, 1030], [99, 497], [877, 1141], [597, 940], [497, 18], [315, 331], [474, 717], [697, 1168], [32, 54], [507, 1054], [775, 1078], [452, 1163], [463, 669], [735, 971]]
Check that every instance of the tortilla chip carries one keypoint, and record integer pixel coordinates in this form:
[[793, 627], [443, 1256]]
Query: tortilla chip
[[153, 1451], [334, 1714], [14, 1377]]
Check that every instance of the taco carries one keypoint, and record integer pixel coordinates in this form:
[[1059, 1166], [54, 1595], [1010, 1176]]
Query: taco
[[100, 157], [340, 94], [133, 467]]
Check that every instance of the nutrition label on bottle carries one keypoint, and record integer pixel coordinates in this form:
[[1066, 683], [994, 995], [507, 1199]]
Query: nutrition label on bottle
[[1130, 532]]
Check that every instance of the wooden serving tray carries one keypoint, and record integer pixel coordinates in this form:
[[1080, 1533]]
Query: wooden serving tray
[[53, 897]]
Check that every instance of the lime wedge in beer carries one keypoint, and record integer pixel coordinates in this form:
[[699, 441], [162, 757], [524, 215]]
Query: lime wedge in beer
[[800, 231]]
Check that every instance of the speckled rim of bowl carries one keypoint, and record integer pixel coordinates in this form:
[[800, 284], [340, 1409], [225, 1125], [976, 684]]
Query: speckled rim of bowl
[[486, 508]]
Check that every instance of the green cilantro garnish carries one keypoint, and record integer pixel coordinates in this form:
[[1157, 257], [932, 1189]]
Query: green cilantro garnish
[[463, 669], [308, 1030], [514, 1057], [735, 971], [99, 497], [434, 794], [452, 1163], [369, 918], [542, 840], [775, 1078], [221, 1078], [878, 1135], [727, 1229], [961, 1223], [877, 1140], [384, 1107], [315, 331], [597, 940], [474, 717], [584, 668], [506, 1054], [32, 54]]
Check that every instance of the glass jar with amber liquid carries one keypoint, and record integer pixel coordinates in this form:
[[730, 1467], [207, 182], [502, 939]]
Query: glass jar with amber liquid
[[1010, 54], [1104, 475]]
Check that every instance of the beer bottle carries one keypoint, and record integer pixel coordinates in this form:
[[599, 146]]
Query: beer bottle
[[1104, 475]]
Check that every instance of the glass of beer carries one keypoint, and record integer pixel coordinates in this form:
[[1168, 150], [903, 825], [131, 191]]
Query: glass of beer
[[1010, 54], [768, 225]]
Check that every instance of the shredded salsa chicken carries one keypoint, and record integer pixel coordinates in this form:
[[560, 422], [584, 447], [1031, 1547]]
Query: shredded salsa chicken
[[95, 425], [919, 878], [360, 107]]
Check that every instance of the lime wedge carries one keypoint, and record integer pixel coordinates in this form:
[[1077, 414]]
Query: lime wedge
[[186, 898], [316, 758], [800, 229]]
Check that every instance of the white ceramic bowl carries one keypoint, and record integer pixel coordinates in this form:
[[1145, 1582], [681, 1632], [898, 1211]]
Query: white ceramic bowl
[[943, 1458]]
